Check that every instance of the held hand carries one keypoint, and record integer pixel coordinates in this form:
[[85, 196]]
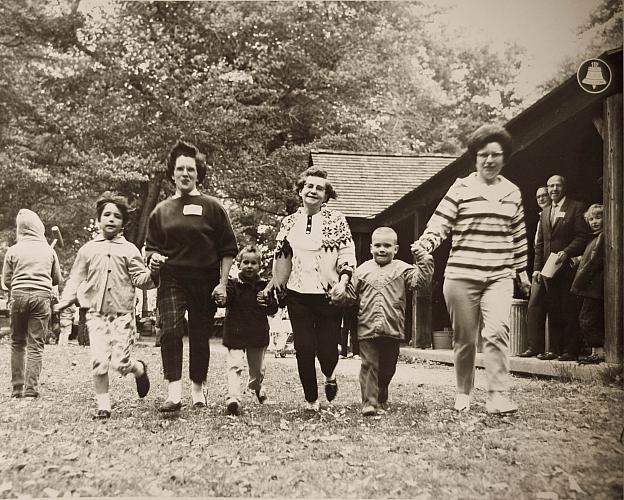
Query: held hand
[[561, 257], [338, 293], [418, 252], [58, 307], [219, 294], [156, 262], [262, 298], [537, 277]]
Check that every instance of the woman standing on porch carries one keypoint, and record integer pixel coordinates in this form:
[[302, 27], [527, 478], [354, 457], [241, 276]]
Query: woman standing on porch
[[484, 214], [313, 262]]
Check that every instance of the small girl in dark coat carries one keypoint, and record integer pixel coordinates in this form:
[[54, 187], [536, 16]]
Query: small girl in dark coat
[[588, 284], [246, 328]]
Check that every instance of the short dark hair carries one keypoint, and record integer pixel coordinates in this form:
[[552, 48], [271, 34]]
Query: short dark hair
[[330, 193], [183, 148], [119, 201], [490, 132], [249, 249]]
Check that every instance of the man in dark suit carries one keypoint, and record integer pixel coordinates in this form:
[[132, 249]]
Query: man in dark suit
[[562, 230], [536, 310]]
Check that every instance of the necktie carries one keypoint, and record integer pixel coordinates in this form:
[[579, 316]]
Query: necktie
[[553, 214]]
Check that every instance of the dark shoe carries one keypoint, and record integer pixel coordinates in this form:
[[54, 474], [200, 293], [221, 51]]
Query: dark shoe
[[17, 392], [170, 406], [261, 395], [592, 359], [233, 408], [331, 389], [566, 356], [102, 415], [529, 353], [198, 405], [142, 382], [547, 356], [31, 393]]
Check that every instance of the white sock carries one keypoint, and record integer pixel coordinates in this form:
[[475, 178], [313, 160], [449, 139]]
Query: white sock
[[197, 392], [138, 369], [103, 401], [175, 391]]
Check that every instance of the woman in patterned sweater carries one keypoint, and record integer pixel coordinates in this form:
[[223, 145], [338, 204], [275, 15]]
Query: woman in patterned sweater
[[313, 262], [483, 213]]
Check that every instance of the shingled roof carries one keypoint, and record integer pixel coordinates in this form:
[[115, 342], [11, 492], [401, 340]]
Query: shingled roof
[[368, 183]]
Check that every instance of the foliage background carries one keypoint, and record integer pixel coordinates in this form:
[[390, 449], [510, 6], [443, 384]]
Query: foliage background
[[92, 100]]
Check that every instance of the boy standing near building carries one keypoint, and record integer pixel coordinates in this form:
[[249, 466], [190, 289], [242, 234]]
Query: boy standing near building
[[246, 328], [380, 284], [30, 270], [103, 279]]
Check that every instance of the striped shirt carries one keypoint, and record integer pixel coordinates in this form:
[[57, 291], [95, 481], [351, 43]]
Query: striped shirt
[[488, 232]]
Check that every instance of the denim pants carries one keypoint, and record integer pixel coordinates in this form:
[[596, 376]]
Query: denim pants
[[235, 365], [30, 316], [467, 301], [379, 359], [316, 331]]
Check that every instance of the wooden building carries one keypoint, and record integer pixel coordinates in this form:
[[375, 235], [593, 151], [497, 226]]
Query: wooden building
[[570, 132]]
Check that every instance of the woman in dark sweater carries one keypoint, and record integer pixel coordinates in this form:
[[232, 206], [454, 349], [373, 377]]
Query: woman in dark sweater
[[190, 239], [246, 330]]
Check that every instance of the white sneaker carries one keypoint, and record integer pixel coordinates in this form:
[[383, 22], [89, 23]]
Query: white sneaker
[[462, 402], [497, 404], [314, 406]]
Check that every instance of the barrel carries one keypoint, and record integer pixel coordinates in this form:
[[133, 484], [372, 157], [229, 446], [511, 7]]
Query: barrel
[[443, 339], [518, 339]]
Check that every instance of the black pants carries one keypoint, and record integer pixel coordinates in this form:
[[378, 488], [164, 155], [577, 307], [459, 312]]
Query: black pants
[[563, 310], [536, 318], [316, 331], [591, 320], [176, 296], [349, 330], [379, 359]]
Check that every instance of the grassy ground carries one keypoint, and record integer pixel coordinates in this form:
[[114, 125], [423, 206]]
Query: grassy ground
[[564, 443]]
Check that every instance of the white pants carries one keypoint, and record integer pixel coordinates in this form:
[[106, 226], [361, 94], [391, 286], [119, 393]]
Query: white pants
[[467, 301], [235, 364]]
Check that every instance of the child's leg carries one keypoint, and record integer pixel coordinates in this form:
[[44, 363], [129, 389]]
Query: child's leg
[[388, 356], [38, 321], [235, 362], [255, 362], [369, 372], [19, 332], [100, 347], [123, 337]]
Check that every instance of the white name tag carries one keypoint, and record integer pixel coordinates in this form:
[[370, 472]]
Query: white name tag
[[192, 210], [560, 215]]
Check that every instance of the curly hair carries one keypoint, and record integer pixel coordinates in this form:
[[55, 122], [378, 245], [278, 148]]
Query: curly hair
[[249, 249], [330, 193], [119, 201], [593, 210], [490, 132], [183, 148]]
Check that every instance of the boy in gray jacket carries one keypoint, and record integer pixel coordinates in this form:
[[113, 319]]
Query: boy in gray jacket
[[380, 284], [31, 268]]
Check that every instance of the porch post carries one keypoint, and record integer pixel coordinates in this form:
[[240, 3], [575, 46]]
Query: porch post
[[421, 300], [613, 187]]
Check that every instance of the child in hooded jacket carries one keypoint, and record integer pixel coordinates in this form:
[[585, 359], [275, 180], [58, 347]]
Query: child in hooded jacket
[[31, 268]]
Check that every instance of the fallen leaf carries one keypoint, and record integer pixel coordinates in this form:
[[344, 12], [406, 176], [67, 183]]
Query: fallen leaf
[[573, 485], [71, 456], [51, 492], [547, 495]]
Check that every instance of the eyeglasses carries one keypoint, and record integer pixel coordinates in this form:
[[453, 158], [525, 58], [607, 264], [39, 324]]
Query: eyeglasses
[[485, 156], [542, 195]]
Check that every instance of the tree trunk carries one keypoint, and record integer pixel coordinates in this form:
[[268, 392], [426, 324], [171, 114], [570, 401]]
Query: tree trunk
[[151, 199]]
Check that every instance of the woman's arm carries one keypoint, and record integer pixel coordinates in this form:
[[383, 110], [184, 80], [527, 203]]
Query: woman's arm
[[441, 222]]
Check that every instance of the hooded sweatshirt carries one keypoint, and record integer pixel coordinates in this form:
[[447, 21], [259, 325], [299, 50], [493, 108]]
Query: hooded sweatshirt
[[31, 263]]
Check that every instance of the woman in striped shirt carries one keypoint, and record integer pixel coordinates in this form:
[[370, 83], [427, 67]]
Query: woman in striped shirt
[[484, 215]]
